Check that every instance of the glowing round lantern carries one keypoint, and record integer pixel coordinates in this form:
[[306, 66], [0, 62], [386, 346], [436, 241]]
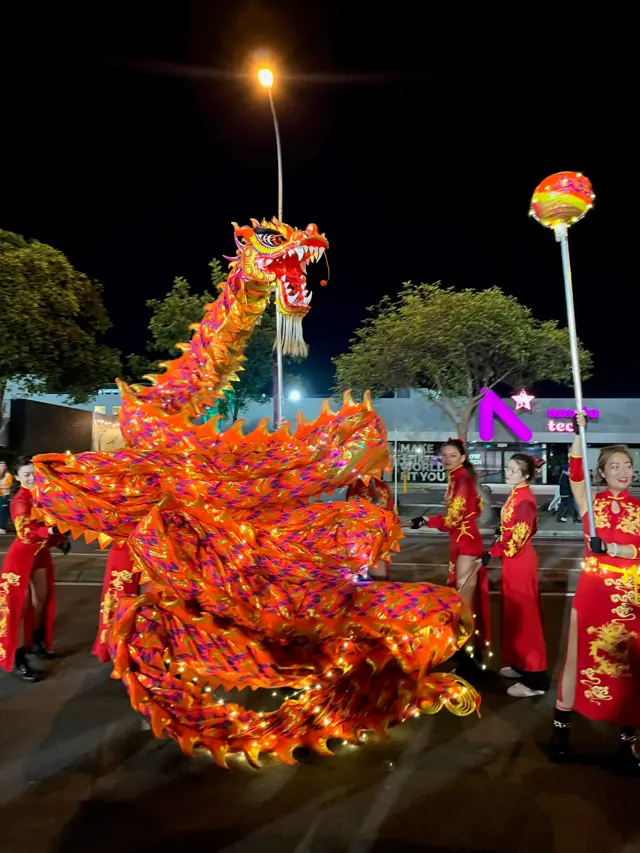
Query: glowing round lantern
[[562, 198]]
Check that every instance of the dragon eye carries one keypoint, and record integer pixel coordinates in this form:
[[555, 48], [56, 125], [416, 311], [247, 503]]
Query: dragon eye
[[270, 239]]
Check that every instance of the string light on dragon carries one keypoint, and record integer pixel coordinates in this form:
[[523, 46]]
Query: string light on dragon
[[249, 575]]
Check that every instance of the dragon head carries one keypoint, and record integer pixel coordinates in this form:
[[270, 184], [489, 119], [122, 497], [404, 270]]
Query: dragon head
[[277, 254]]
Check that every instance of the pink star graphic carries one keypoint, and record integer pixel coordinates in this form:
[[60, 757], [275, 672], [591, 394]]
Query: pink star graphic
[[523, 400]]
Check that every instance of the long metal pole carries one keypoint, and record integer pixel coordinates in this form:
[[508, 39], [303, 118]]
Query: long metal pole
[[563, 238], [395, 469], [278, 392]]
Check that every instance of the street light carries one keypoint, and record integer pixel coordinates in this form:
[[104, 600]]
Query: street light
[[265, 76], [295, 396], [266, 80]]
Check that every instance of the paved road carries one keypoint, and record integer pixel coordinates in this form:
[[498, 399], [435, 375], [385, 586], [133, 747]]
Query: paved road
[[77, 772]]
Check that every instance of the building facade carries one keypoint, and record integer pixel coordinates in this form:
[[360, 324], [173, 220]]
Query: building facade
[[416, 428]]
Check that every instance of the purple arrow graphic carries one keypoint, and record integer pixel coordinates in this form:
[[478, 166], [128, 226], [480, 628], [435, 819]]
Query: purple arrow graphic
[[490, 407]]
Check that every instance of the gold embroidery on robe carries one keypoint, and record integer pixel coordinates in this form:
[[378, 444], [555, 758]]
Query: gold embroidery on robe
[[7, 580], [596, 692], [507, 511], [110, 601], [629, 519], [455, 512], [609, 649], [601, 515]]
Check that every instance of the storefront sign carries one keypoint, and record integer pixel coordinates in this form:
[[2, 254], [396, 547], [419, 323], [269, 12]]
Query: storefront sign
[[592, 414], [418, 462], [554, 426], [490, 407]]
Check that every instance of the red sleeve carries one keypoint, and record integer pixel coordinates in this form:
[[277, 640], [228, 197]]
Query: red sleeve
[[515, 536], [576, 469], [28, 530], [461, 499]]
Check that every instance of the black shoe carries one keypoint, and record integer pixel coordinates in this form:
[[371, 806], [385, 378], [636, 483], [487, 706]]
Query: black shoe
[[38, 649], [22, 669], [559, 746], [465, 665], [628, 752]]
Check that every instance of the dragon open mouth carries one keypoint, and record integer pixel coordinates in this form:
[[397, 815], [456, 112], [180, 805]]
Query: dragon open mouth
[[290, 269], [278, 255]]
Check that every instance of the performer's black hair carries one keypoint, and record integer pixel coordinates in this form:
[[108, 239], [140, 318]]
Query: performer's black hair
[[459, 445]]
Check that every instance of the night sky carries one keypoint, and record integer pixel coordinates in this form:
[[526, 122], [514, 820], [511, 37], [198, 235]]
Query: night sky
[[133, 136]]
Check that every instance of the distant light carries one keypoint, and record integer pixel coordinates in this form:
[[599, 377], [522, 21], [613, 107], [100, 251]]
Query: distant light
[[265, 77], [295, 396]]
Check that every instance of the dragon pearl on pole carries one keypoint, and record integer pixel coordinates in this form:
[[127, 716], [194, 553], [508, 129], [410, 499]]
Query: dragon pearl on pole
[[266, 79], [558, 202]]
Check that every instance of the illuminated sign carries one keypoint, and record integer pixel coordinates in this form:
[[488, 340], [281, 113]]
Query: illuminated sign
[[490, 407], [552, 414], [592, 414], [553, 426]]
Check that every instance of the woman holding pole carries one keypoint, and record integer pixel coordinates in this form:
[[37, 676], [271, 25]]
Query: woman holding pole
[[463, 506], [601, 674]]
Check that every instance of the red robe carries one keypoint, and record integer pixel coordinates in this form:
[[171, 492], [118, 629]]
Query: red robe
[[463, 506], [523, 645], [29, 551], [605, 680], [119, 579]]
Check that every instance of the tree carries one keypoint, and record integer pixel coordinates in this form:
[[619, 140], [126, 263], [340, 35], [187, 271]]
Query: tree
[[454, 343], [51, 318], [169, 324]]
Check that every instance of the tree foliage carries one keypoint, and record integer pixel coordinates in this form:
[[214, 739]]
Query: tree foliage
[[52, 318], [169, 324], [454, 343]]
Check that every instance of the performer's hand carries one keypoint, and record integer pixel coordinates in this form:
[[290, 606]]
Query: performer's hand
[[580, 420], [65, 547], [486, 557], [417, 522], [597, 545]]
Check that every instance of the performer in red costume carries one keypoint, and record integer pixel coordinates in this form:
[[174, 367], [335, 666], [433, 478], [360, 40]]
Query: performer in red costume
[[524, 653], [601, 674], [379, 494], [463, 507], [27, 592], [120, 579]]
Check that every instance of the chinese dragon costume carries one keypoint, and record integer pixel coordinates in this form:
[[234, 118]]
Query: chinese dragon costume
[[249, 579]]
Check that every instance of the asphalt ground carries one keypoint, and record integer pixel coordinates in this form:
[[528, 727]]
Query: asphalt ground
[[79, 772]]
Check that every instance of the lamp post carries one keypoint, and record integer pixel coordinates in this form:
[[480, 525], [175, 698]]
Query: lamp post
[[266, 80]]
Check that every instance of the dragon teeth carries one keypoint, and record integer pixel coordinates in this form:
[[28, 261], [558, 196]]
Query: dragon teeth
[[299, 252]]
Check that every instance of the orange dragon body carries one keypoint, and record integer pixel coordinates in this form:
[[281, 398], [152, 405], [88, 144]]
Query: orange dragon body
[[251, 582]]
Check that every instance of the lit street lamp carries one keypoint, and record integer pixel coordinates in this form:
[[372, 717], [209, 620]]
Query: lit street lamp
[[266, 80], [295, 396]]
